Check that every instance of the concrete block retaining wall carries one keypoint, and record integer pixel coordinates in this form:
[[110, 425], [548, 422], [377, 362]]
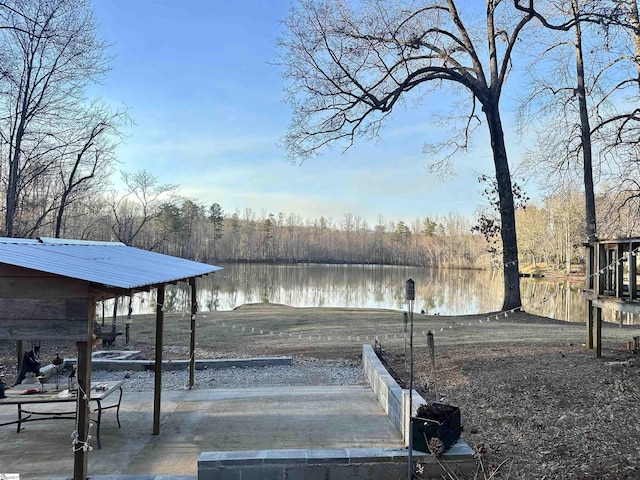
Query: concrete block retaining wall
[[393, 398], [343, 464], [395, 401], [298, 464]]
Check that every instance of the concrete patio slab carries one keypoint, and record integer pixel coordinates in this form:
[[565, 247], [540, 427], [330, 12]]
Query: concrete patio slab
[[195, 421]]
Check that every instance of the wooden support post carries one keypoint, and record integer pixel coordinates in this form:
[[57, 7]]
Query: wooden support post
[[158, 364], [619, 271], [633, 286], [83, 376], [601, 263], [598, 332], [192, 343], [21, 347], [591, 266], [590, 309], [80, 456], [115, 315]]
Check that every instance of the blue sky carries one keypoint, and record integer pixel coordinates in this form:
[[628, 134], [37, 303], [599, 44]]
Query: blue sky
[[208, 111]]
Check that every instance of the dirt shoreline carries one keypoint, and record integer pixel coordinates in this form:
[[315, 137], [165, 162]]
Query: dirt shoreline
[[533, 399]]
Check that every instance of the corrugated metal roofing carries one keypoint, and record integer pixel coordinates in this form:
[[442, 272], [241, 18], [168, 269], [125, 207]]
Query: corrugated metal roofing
[[112, 264]]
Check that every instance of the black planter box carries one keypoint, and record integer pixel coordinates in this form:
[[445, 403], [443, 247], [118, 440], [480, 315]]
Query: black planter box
[[437, 420]]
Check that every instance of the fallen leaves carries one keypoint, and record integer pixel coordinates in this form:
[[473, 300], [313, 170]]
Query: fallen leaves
[[554, 412]]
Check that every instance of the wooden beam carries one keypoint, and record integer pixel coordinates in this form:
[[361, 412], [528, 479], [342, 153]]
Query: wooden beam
[[591, 265], [601, 263], [49, 287], [33, 328], [633, 286], [83, 369], [43, 309], [158, 366], [192, 343], [21, 347], [36, 317], [590, 325], [619, 255], [598, 332], [618, 305]]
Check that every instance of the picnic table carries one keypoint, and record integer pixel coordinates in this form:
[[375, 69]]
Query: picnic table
[[27, 401]]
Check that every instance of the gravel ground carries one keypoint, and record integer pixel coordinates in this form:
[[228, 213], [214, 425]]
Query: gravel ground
[[301, 373]]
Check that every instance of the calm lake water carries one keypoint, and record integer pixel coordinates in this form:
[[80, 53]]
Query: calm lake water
[[438, 291]]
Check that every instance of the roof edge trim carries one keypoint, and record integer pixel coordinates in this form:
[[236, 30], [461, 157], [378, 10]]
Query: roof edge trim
[[65, 241]]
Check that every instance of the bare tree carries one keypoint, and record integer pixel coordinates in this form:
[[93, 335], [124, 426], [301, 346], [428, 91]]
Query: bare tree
[[619, 130], [595, 109], [142, 202], [87, 156], [349, 66], [50, 53]]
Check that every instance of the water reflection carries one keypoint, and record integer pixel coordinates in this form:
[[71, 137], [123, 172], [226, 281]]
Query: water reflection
[[444, 292]]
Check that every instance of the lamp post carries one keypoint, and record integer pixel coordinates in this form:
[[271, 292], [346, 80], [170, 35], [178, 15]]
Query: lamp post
[[411, 296]]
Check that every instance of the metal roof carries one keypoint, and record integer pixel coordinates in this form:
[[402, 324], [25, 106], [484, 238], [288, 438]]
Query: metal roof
[[112, 264]]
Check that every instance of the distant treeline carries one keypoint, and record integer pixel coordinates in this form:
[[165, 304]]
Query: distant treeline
[[212, 236], [550, 232], [153, 217]]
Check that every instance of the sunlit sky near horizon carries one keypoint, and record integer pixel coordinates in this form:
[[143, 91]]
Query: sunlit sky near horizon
[[207, 102]]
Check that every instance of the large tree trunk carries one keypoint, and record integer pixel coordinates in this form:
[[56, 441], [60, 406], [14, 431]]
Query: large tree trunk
[[14, 178], [507, 209], [11, 198], [585, 135]]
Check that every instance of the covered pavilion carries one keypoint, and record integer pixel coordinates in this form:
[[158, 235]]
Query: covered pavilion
[[49, 289]]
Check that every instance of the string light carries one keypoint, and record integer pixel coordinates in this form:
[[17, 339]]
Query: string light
[[76, 443], [387, 336], [611, 266]]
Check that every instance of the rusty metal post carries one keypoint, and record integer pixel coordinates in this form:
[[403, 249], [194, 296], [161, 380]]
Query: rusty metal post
[[158, 364], [192, 342]]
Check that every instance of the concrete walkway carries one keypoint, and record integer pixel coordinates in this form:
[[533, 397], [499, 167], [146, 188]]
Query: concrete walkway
[[195, 421]]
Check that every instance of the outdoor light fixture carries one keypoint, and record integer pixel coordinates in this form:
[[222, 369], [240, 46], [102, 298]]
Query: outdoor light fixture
[[410, 289]]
